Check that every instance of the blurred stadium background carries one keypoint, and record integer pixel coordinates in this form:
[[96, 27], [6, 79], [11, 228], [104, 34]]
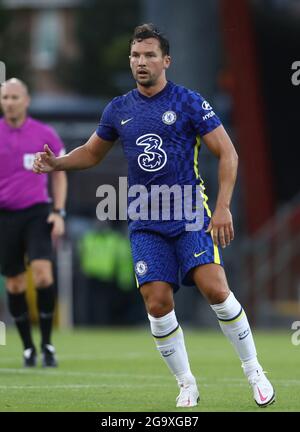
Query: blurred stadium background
[[239, 55]]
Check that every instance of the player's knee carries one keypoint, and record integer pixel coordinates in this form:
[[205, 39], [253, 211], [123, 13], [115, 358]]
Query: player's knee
[[158, 310], [212, 283], [16, 285], [158, 298], [158, 306], [216, 292], [43, 281], [42, 273], [42, 278]]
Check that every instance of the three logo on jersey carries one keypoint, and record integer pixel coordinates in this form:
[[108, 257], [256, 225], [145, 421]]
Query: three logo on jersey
[[154, 157]]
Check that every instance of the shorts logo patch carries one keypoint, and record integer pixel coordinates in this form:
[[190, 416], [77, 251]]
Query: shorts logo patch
[[141, 268], [169, 117]]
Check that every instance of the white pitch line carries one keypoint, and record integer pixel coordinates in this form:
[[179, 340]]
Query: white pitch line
[[281, 381], [202, 380], [81, 374], [126, 356], [104, 356], [91, 386], [74, 386]]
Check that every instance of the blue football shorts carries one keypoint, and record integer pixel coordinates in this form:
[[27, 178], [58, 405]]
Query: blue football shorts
[[170, 259]]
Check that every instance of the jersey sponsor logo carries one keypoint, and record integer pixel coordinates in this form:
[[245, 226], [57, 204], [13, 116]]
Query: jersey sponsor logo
[[208, 115], [154, 157], [206, 106], [123, 122], [141, 268], [28, 160], [169, 117]]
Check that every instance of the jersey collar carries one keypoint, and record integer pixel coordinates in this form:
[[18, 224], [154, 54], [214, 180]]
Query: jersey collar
[[20, 128], [164, 91]]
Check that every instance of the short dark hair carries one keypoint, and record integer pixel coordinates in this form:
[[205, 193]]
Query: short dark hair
[[146, 31]]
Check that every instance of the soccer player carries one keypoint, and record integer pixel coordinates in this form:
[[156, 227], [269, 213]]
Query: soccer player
[[27, 220], [159, 124]]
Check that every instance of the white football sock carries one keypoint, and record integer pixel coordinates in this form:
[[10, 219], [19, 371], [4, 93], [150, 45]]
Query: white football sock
[[234, 324], [169, 340]]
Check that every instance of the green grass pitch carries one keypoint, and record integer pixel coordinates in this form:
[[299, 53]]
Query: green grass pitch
[[119, 370]]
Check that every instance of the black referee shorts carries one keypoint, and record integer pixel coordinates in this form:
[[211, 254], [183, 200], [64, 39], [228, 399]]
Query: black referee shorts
[[24, 233]]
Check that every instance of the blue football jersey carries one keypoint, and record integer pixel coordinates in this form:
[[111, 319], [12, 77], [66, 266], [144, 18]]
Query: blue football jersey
[[160, 136]]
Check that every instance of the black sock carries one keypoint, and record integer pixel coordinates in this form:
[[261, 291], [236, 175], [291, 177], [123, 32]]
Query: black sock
[[18, 308], [46, 302]]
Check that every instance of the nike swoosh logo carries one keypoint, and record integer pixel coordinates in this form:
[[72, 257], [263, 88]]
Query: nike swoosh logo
[[168, 355], [262, 398], [196, 255], [126, 121]]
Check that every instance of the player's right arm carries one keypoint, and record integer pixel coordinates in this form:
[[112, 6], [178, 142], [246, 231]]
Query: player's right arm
[[83, 157]]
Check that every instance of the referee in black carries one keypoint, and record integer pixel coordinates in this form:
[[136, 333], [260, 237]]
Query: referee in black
[[29, 223]]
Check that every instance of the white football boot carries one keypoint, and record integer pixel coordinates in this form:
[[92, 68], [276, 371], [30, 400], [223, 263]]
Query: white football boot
[[188, 396], [263, 391]]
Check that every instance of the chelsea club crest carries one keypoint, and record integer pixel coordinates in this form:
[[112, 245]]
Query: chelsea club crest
[[169, 117], [141, 268]]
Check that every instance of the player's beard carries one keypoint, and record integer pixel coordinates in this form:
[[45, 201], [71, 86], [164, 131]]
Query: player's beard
[[146, 80], [147, 84]]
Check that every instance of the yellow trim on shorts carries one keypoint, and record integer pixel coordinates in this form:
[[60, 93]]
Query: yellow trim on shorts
[[136, 281], [217, 259]]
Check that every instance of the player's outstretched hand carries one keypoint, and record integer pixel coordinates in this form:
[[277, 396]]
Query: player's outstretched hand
[[44, 162]]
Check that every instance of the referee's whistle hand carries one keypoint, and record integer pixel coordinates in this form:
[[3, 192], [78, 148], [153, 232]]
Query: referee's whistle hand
[[58, 226]]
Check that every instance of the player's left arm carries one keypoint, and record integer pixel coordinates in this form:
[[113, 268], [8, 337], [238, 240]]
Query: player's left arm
[[59, 193], [221, 224]]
